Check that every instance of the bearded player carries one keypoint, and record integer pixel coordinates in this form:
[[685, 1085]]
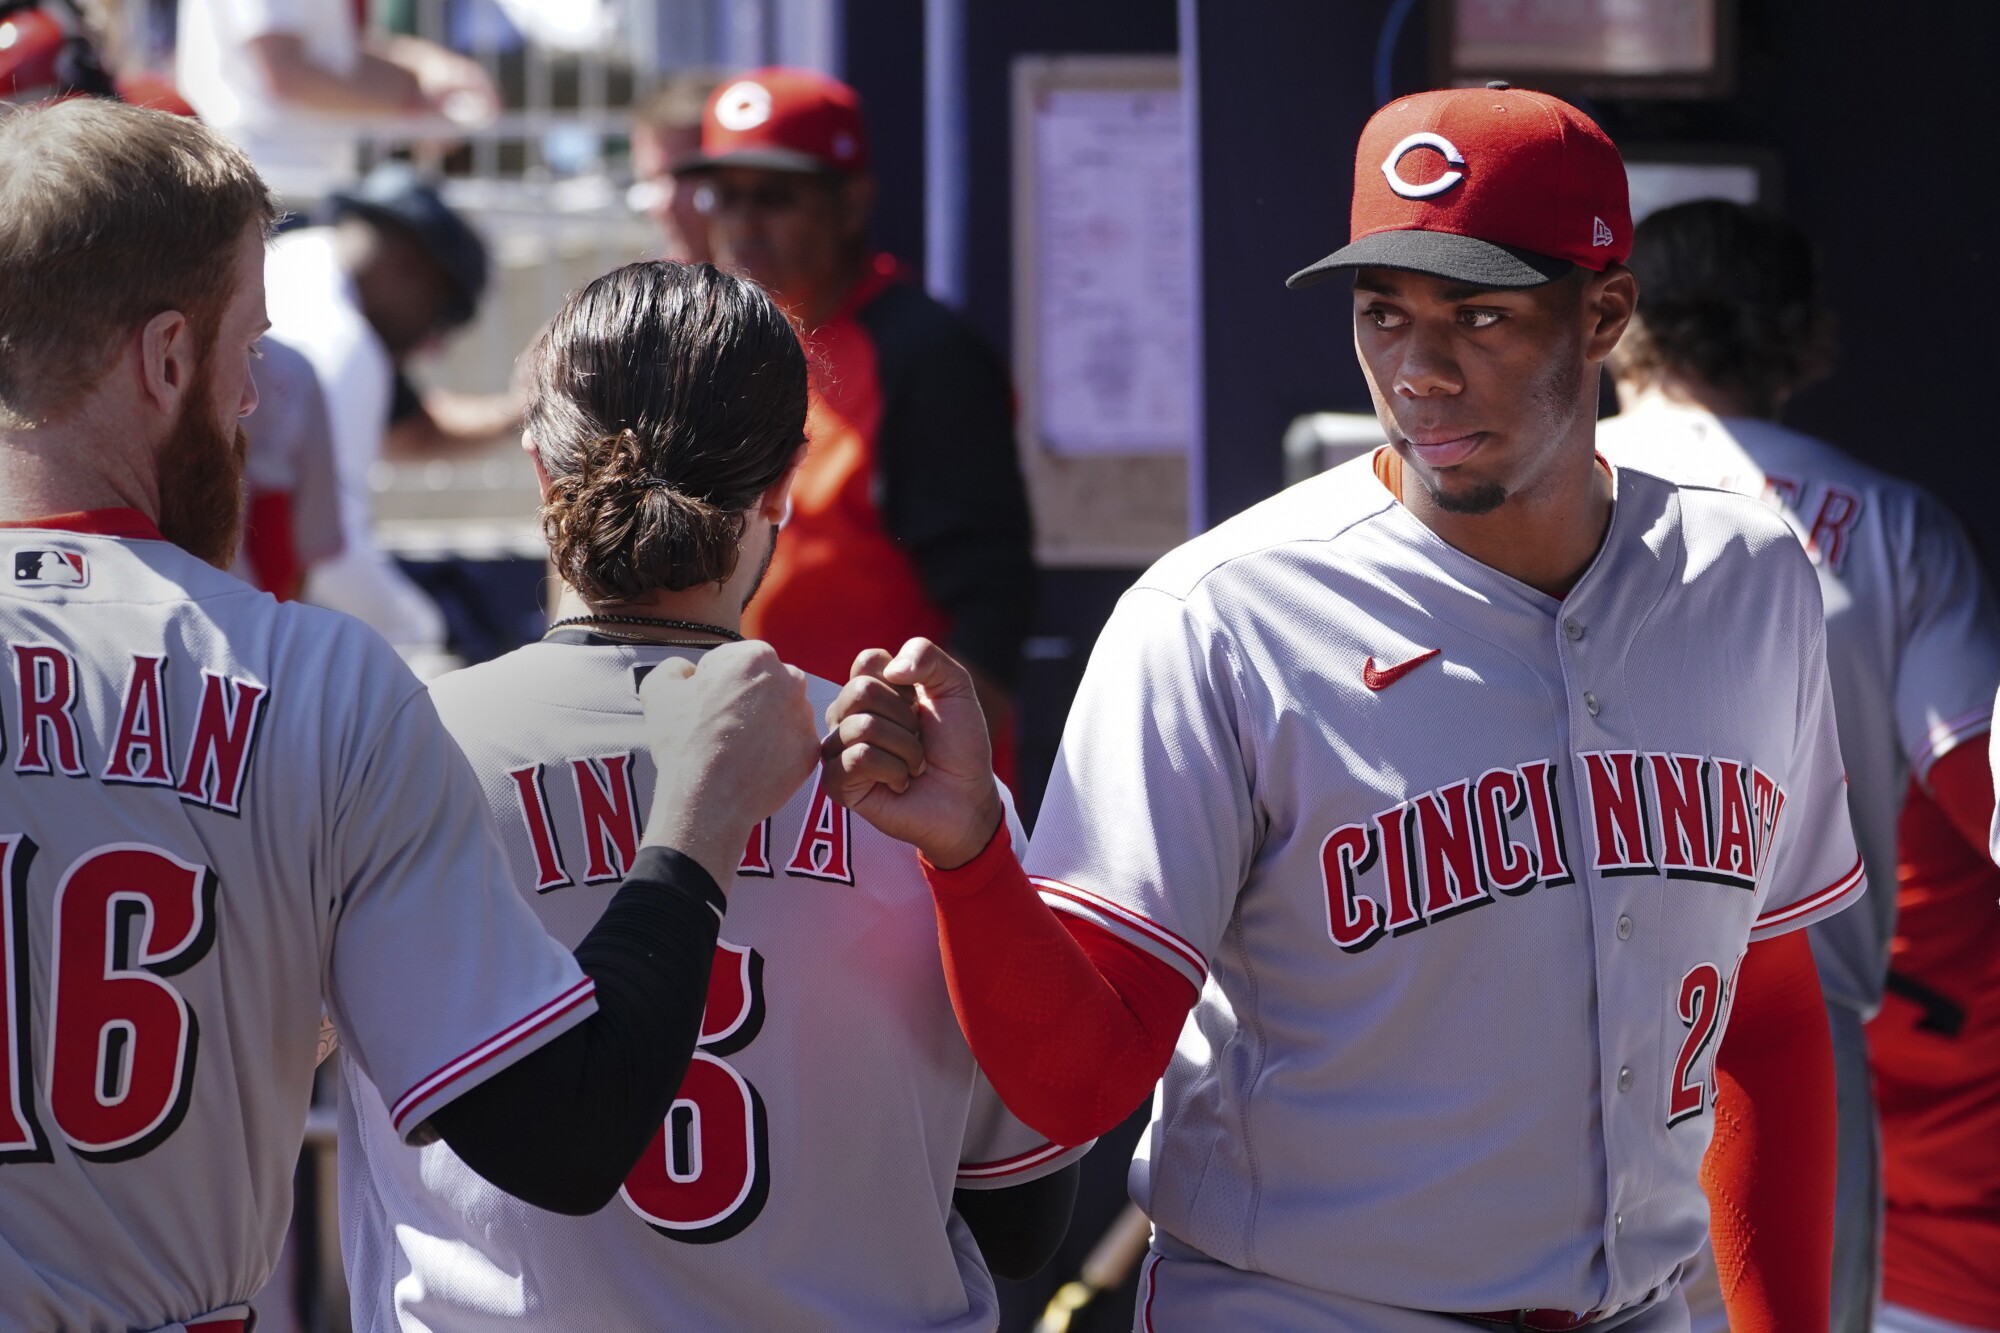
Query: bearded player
[[1462, 794], [1730, 329], [834, 1159], [220, 815]]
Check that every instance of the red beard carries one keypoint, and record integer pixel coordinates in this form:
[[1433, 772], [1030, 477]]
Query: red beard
[[201, 481]]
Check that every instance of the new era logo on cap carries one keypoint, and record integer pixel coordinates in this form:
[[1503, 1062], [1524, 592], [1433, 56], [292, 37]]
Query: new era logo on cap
[[1495, 186], [41, 566]]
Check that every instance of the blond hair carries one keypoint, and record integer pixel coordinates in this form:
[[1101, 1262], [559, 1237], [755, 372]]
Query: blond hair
[[109, 215]]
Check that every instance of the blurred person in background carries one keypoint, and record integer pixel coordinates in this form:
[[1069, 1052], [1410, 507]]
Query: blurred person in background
[[909, 513], [393, 274], [1729, 328], [666, 132], [291, 504], [288, 80]]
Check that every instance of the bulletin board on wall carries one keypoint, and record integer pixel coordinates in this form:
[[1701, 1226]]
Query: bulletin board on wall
[[1104, 305]]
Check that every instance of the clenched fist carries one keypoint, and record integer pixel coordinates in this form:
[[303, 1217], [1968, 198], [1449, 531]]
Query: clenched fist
[[906, 749], [731, 740]]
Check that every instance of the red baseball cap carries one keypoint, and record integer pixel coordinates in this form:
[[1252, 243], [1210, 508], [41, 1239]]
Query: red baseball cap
[[1496, 186], [782, 120]]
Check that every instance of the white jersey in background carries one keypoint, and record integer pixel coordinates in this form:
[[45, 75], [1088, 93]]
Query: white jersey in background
[[804, 1177], [219, 815], [301, 153], [1464, 874], [1912, 630]]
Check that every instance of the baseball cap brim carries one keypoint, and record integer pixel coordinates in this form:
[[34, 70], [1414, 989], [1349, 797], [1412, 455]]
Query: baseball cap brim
[[763, 159], [1440, 254]]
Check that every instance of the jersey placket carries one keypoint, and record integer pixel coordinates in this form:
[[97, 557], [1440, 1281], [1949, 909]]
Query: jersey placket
[[1592, 637]]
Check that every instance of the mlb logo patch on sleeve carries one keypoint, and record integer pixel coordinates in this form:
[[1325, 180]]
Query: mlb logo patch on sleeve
[[45, 567]]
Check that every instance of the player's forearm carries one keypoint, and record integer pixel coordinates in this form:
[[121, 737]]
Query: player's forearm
[[374, 87], [1020, 1229], [1072, 1026], [1769, 1173], [562, 1127]]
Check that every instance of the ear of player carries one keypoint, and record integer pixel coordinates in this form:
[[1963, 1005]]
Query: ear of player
[[906, 749]]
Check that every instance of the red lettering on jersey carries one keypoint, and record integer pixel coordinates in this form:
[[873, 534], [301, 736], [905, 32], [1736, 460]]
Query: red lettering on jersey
[[139, 754], [21, 1137], [1618, 812], [1498, 797], [823, 850], [757, 853], [609, 806], [1680, 789], [1768, 799], [225, 740], [534, 802], [1785, 490], [1838, 511], [1353, 919], [1735, 837], [45, 678], [1450, 851], [734, 1013], [122, 1040], [1538, 781], [1393, 831]]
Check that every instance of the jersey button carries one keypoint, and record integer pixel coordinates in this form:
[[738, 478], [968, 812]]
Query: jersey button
[[1573, 630], [1617, 1223], [1624, 927], [1590, 704], [1625, 1079]]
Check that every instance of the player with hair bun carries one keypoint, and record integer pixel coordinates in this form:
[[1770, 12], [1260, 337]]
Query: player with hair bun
[[834, 1158]]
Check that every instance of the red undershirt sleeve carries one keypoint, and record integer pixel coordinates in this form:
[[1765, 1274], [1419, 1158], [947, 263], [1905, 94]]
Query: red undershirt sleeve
[[1769, 1171], [1961, 782], [1072, 1025]]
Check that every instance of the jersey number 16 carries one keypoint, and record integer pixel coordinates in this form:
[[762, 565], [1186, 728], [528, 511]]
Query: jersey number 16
[[122, 1040]]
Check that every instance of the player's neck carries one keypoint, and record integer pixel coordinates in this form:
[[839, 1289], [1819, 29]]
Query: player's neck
[[64, 468], [1544, 536], [707, 605]]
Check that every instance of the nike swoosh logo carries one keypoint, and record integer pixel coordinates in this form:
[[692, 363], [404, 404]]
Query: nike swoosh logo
[[1381, 678]]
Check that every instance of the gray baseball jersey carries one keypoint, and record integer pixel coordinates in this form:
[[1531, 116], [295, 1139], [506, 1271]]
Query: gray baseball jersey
[[1912, 631], [217, 815], [803, 1178], [1464, 874]]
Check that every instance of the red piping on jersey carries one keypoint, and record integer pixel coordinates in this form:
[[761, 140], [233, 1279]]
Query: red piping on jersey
[[127, 523], [1124, 916], [1840, 888], [507, 1038], [1008, 1166]]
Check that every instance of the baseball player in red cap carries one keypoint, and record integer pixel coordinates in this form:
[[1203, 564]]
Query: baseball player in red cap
[[910, 516], [1461, 795]]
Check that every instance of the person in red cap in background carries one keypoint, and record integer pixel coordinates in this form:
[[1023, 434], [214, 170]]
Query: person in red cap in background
[[1470, 797], [909, 513]]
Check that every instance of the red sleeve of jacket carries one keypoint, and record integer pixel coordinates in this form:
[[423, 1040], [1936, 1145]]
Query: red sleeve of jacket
[[1961, 782], [1072, 1025], [1769, 1170]]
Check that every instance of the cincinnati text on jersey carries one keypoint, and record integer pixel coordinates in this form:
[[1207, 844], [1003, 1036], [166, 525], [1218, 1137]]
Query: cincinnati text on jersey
[[1451, 849], [41, 733]]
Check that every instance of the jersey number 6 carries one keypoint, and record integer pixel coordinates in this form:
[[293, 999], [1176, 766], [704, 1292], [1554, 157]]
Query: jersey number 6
[[121, 1050], [705, 1175]]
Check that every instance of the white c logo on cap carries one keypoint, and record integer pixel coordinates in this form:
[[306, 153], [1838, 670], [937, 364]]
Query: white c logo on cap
[[743, 105], [1425, 191]]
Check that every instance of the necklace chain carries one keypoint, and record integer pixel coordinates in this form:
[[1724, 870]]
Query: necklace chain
[[660, 622]]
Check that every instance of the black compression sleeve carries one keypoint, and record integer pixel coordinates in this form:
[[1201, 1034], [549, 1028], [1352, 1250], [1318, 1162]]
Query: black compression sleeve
[[562, 1127], [1020, 1229]]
